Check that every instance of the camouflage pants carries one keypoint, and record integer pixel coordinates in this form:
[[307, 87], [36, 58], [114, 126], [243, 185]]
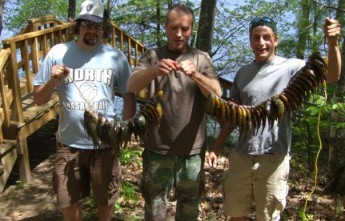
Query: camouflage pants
[[162, 173]]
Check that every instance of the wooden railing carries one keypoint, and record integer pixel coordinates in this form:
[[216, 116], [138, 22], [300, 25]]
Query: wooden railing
[[19, 62]]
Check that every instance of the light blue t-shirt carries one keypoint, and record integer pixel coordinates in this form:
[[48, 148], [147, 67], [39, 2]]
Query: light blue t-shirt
[[255, 83], [93, 77]]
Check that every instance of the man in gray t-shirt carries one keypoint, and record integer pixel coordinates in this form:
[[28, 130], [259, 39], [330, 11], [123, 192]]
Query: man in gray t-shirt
[[259, 164]]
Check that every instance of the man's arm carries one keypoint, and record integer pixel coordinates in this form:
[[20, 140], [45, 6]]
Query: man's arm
[[206, 84], [129, 106], [138, 80], [43, 93], [226, 129], [332, 32]]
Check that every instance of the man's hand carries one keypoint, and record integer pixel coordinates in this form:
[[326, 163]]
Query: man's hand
[[332, 30], [166, 67], [59, 72], [212, 159]]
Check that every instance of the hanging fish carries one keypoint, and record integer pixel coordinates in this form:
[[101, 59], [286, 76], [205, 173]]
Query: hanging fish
[[104, 132], [250, 118]]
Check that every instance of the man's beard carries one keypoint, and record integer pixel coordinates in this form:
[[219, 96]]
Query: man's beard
[[90, 41]]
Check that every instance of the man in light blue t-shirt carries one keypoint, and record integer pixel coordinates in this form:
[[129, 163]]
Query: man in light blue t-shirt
[[85, 73]]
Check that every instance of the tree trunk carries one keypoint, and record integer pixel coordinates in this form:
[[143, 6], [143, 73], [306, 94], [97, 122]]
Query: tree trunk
[[158, 24], [206, 24], [336, 161], [2, 4], [303, 22], [72, 5]]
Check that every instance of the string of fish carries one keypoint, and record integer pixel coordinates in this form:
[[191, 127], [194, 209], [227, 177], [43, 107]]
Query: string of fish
[[117, 133], [249, 119], [113, 133]]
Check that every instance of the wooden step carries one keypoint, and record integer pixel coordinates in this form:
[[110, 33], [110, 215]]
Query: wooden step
[[8, 157]]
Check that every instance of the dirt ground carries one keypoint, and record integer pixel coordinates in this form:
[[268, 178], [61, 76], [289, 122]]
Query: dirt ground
[[36, 201]]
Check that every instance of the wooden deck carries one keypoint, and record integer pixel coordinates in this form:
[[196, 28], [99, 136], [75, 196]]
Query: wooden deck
[[19, 61]]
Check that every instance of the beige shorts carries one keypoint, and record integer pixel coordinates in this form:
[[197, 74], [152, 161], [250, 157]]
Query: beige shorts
[[261, 180], [77, 171]]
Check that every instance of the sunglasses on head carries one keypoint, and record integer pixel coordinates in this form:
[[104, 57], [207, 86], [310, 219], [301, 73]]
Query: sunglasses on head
[[265, 21], [90, 25], [181, 5]]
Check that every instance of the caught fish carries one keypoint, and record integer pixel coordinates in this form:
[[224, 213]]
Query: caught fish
[[114, 134], [90, 124], [250, 118]]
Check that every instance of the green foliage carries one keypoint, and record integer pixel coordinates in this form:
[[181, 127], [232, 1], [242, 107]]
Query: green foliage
[[305, 217], [319, 105], [306, 122], [339, 206], [17, 13], [129, 192], [129, 196], [131, 155], [139, 18]]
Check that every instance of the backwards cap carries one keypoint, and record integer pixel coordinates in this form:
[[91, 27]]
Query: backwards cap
[[91, 10], [263, 21]]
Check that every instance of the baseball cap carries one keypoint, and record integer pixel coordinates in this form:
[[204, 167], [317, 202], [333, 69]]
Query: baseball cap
[[91, 10], [263, 21]]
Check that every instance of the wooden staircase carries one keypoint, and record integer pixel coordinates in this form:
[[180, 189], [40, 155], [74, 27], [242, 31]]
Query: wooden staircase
[[19, 62]]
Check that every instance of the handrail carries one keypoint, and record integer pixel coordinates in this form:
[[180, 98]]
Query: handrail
[[40, 23], [4, 56], [30, 35], [134, 47], [26, 52]]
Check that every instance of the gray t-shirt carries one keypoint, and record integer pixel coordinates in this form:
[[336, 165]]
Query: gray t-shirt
[[93, 77], [255, 83], [182, 130]]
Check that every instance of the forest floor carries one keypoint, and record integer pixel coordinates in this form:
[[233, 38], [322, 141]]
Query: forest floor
[[36, 201]]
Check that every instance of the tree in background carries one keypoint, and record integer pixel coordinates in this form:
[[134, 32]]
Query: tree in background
[[206, 24], [72, 7], [2, 4], [143, 20], [17, 13]]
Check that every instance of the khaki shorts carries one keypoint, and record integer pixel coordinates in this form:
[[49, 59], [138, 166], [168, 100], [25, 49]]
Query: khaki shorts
[[77, 171], [261, 180]]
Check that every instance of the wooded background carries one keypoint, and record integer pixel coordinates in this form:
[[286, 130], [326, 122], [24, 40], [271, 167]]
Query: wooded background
[[221, 29]]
